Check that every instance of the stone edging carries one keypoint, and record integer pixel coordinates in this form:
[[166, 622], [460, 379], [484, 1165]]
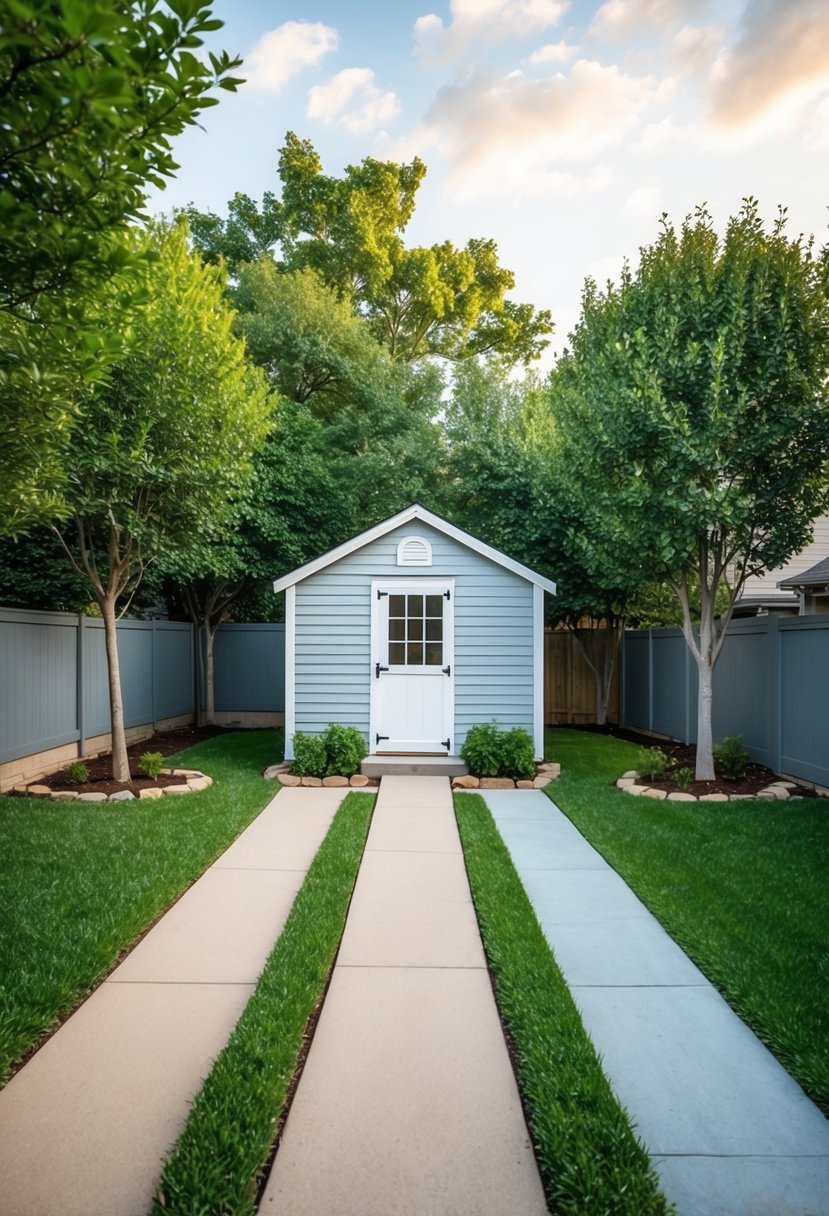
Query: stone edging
[[194, 780], [545, 773], [628, 783], [282, 774]]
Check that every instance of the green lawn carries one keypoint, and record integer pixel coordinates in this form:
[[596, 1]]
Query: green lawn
[[589, 1158], [80, 882], [741, 886], [216, 1165]]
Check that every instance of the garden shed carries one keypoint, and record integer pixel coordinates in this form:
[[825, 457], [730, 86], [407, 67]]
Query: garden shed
[[413, 632]]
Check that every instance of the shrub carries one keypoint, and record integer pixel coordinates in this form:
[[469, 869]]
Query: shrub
[[731, 758], [683, 777], [310, 755], [517, 754], [490, 752], [151, 764], [345, 750], [481, 751], [651, 762], [77, 771]]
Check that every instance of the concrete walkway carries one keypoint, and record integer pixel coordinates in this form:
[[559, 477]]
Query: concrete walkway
[[730, 1132], [86, 1124], [407, 1105]]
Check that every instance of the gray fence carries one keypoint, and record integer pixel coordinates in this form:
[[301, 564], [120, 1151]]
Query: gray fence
[[53, 675], [771, 685]]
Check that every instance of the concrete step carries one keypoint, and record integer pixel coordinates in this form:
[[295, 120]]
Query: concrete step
[[413, 766]]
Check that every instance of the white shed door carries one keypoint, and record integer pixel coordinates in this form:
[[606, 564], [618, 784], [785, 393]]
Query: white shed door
[[412, 655]]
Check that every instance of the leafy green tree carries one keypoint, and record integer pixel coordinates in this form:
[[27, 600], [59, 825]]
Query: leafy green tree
[[694, 418], [161, 452], [92, 92], [438, 300]]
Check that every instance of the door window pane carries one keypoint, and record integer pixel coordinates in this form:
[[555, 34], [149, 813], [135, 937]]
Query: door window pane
[[434, 605], [414, 654], [434, 654], [397, 605], [397, 631], [397, 653], [415, 627], [415, 605], [434, 631]]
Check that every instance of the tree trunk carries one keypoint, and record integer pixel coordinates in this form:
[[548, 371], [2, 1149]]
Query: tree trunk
[[209, 695], [705, 702], [120, 762]]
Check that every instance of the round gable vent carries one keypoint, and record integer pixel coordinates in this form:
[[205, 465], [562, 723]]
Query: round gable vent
[[414, 551]]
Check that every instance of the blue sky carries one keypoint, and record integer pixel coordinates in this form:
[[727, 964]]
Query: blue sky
[[560, 130]]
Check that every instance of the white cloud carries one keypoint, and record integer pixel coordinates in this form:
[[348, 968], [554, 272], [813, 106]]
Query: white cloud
[[644, 202], [351, 99], [617, 19], [488, 21], [553, 52], [511, 134], [780, 58], [695, 48], [285, 51]]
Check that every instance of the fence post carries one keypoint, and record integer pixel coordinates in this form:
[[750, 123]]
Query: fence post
[[152, 673], [689, 708], [775, 697], [650, 679], [81, 711]]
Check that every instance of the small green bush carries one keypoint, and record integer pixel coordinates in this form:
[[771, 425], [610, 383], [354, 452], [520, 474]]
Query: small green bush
[[731, 758], [481, 751], [490, 752], [651, 762], [77, 771], [517, 754], [345, 749], [683, 777], [151, 764], [310, 755]]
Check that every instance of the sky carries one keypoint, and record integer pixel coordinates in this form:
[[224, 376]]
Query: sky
[[562, 130]]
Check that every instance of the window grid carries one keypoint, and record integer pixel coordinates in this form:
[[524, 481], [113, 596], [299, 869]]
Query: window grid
[[415, 630]]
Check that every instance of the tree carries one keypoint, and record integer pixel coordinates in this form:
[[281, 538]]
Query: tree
[[694, 416], [438, 300], [161, 452], [92, 92]]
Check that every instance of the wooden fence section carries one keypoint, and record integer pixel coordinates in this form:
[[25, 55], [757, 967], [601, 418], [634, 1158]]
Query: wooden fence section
[[569, 684]]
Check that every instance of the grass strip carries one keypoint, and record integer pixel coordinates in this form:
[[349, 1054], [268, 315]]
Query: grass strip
[[588, 1155], [79, 882], [741, 886], [217, 1162]]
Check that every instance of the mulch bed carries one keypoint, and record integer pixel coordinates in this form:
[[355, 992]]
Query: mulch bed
[[100, 768], [684, 755]]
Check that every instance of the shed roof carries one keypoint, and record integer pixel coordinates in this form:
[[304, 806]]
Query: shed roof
[[409, 515], [815, 576]]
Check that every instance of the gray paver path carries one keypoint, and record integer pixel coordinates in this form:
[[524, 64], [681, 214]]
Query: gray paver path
[[407, 1105], [86, 1124], [730, 1132]]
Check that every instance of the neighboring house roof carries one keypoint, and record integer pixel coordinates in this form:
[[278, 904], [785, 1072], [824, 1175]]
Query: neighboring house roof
[[409, 515], [815, 576], [773, 587]]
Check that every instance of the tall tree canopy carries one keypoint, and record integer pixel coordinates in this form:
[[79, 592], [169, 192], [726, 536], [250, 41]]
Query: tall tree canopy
[[436, 300], [694, 416]]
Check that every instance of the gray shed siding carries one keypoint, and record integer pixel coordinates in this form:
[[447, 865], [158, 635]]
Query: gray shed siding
[[493, 635]]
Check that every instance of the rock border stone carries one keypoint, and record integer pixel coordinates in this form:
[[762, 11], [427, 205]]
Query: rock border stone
[[545, 773], [192, 781], [631, 783], [282, 773]]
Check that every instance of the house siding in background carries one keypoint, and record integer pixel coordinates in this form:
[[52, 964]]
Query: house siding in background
[[493, 610], [762, 588]]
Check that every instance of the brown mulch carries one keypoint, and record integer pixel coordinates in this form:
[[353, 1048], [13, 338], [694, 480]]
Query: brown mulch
[[100, 768], [684, 755]]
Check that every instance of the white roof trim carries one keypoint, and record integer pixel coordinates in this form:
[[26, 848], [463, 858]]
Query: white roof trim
[[404, 517]]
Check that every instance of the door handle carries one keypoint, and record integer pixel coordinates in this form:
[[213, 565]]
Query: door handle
[[378, 669]]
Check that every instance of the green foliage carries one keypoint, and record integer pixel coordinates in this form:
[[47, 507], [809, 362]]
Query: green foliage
[[310, 755], [338, 751], [418, 302], [683, 778], [587, 1152], [490, 752], [220, 1155], [651, 762], [93, 94], [77, 771], [72, 898], [731, 757], [151, 764], [345, 749]]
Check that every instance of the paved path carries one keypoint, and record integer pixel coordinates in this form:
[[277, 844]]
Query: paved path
[[730, 1132], [86, 1124], [407, 1105]]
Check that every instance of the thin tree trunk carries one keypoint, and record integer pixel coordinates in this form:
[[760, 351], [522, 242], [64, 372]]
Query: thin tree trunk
[[209, 696], [705, 703], [120, 761]]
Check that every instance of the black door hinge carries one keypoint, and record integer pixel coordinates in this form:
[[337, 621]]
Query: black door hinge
[[447, 594], [380, 594], [378, 669], [377, 739], [447, 671], [445, 743]]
